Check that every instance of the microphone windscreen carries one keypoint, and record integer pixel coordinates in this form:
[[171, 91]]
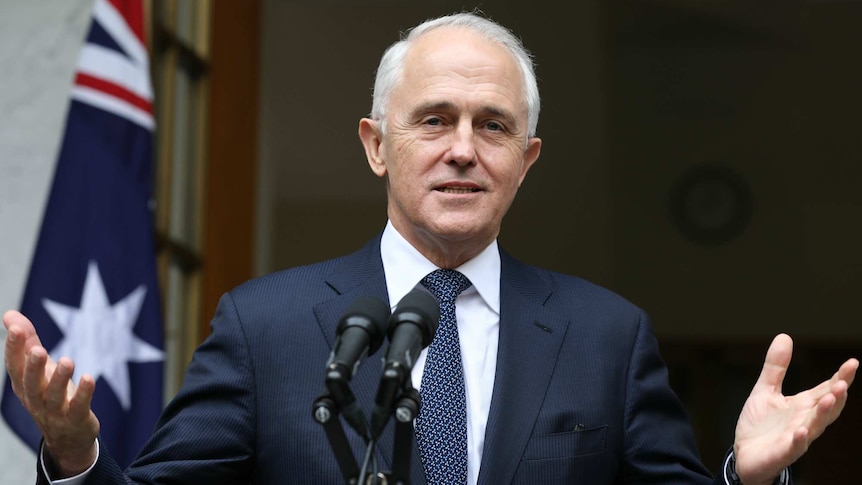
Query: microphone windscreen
[[420, 308], [360, 312]]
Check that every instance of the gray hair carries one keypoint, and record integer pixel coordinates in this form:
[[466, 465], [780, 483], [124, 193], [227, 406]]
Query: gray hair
[[391, 67]]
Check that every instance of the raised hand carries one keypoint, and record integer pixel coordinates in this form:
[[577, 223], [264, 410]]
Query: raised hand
[[774, 430], [60, 408]]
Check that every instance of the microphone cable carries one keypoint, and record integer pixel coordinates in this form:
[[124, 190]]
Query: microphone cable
[[369, 457]]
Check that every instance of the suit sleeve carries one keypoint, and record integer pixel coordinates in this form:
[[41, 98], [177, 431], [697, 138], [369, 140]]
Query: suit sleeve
[[659, 442], [207, 433]]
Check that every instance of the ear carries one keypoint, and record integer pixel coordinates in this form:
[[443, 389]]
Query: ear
[[372, 139], [531, 154]]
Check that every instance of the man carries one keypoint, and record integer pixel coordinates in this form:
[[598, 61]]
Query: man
[[559, 381]]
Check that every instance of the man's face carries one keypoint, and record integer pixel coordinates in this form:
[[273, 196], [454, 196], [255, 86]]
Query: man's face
[[456, 147]]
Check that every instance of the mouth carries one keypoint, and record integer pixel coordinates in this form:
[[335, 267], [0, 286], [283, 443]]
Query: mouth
[[457, 190]]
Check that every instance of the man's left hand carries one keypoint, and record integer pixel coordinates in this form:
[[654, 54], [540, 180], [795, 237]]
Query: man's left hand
[[774, 430]]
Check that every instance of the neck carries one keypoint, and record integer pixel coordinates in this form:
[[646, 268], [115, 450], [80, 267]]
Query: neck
[[445, 253], [448, 257]]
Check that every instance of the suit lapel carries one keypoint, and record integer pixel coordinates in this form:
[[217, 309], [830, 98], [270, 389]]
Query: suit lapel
[[530, 342]]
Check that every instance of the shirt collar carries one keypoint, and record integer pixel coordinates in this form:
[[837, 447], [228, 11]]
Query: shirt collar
[[404, 267]]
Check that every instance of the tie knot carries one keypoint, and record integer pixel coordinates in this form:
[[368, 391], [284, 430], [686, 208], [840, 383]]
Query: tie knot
[[446, 284]]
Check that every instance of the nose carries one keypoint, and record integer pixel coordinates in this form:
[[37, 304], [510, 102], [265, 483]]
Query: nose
[[463, 151]]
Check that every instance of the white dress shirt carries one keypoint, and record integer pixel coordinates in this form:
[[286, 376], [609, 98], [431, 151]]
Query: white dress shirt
[[477, 311]]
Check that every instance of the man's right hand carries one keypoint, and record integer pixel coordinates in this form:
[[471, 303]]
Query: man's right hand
[[60, 408]]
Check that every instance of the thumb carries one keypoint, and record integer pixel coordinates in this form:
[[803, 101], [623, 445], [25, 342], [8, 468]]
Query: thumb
[[776, 363]]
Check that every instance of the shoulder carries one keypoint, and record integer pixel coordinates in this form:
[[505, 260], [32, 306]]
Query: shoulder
[[315, 281], [301, 278], [594, 313], [564, 291], [296, 291], [589, 294]]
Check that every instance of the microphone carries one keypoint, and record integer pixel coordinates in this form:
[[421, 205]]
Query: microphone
[[411, 328], [359, 334]]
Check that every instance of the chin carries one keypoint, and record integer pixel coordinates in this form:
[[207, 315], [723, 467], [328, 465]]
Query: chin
[[459, 231]]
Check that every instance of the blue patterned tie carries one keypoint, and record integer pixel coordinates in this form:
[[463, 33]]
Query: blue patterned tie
[[441, 427]]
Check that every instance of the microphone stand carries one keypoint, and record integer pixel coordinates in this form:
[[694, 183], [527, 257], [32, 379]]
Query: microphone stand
[[339, 399], [325, 412], [406, 410], [396, 396]]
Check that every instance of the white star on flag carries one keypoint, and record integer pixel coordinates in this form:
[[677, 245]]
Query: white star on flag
[[98, 336]]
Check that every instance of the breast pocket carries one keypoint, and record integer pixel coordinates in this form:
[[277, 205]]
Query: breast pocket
[[565, 445]]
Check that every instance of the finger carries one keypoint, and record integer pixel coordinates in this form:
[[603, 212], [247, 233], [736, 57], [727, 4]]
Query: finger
[[827, 409], [19, 340], [11, 318], [839, 397], [15, 357], [55, 392], [824, 409], [79, 406], [837, 386], [775, 365], [34, 377], [801, 441], [14, 318], [847, 371], [846, 374], [824, 413]]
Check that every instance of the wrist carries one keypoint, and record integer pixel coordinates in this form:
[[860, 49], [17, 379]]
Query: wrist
[[732, 478], [65, 465]]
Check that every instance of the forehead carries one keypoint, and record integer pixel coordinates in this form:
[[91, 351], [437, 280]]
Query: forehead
[[458, 61]]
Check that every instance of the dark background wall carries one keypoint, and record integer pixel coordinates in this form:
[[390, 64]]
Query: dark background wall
[[700, 158], [769, 91]]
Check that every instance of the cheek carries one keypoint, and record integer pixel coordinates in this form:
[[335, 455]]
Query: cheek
[[403, 176], [509, 173], [402, 154], [404, 144], [508, 161]]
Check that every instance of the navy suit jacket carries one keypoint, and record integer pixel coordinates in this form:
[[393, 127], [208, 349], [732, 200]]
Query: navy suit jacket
[[580, 395]]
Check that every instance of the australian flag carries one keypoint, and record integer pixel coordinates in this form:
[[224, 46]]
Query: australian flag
[[91, 290]]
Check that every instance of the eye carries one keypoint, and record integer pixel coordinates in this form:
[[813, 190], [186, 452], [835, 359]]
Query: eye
[[433, 121], [496, 127]]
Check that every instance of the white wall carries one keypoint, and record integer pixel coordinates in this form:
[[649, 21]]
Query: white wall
[[39, 45]]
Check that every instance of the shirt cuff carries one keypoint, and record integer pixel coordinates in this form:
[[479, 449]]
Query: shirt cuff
[[77, 479], [731, 478]]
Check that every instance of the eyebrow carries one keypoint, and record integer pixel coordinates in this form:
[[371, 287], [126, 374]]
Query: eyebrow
[[435, 106], [505, 115]]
